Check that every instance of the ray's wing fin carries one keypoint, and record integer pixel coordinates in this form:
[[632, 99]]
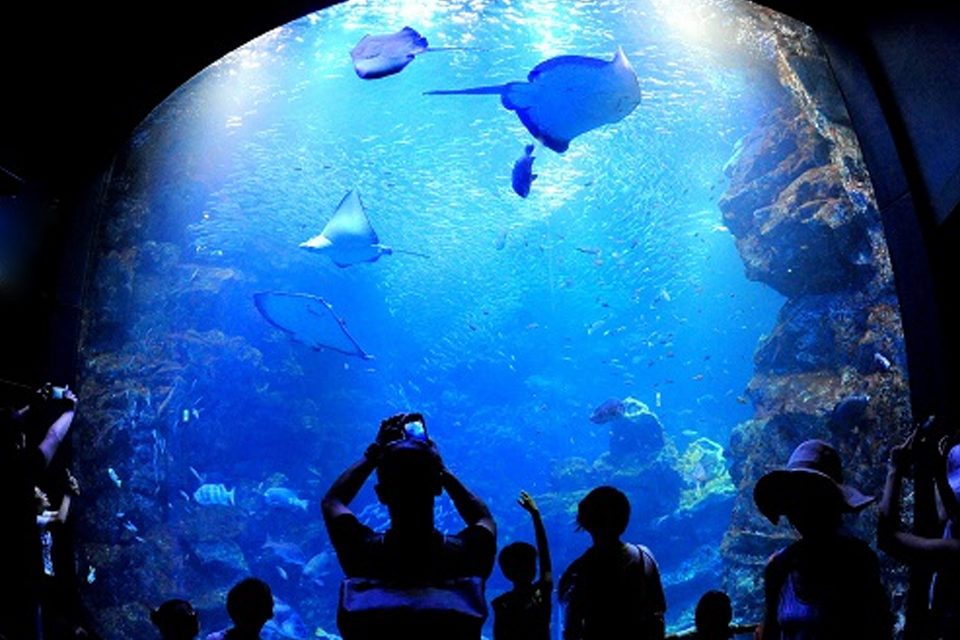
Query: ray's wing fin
[[350, 224]]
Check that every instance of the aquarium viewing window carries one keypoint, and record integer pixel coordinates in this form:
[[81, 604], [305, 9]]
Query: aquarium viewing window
[[618, 242]]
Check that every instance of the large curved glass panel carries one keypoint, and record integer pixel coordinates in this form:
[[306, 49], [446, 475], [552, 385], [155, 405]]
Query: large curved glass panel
[[684, 294]]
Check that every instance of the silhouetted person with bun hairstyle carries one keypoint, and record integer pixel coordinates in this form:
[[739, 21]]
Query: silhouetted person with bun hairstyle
[[523, 613], [826, 585], [410, 581], [613, 590], [250, 606], [176, 620]]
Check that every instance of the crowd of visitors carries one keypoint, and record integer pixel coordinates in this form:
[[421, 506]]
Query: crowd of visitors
[[411, 580]]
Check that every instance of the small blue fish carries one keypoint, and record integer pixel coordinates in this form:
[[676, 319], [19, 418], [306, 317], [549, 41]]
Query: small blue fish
[[881, 362], [523, 175], [286, 551], [210, 494], [319, 567], [114, 476], [283, 497], [849, 411]]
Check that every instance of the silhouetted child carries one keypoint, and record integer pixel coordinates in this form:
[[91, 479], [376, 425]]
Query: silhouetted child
[[713, 618], [612, 590], [523, 613], [176, 620], [250, 606]]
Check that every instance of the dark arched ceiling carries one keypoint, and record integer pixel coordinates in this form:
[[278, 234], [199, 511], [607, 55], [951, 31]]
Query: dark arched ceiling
[[78, 77]]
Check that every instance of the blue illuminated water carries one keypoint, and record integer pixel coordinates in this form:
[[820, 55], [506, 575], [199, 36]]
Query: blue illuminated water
[[615, 278]]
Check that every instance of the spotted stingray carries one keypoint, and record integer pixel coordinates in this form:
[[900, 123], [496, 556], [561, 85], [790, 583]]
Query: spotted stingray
[[348, 237], [382, 55], [566, 96]]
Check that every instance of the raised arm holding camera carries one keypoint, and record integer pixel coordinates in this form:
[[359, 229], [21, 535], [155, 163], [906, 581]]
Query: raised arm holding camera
[[410, 580]]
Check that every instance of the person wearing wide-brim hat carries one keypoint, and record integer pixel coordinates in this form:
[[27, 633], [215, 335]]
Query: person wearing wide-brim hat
[[826, 585], [941, 554], [813, 475]]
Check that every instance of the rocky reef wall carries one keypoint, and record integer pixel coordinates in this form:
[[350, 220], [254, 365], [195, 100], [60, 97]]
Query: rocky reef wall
[[160, 364], [801, 207]]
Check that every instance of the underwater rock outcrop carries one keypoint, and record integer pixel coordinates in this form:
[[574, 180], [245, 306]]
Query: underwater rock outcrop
[[802, 210], [640, 461], [637, 434], [680, 500]]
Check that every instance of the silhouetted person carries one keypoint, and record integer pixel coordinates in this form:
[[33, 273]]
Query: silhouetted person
[[176, 620], [523, 613], [390, 573], [613, 590], [713, 619], [62, 613], [22, 464], [250, 606], [826, 585], [941, 554]]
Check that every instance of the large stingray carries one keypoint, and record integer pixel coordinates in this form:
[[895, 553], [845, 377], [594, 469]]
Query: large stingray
[[348, 238], [308, 319], [566, 96], [385, 54]]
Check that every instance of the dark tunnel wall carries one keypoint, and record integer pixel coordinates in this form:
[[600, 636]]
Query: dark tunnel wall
[[900, 78], [77, 80]]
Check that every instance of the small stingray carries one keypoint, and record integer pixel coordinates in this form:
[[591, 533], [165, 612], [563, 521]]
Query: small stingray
[[566, 96], [383, 55], [310, 320], [348, 237]]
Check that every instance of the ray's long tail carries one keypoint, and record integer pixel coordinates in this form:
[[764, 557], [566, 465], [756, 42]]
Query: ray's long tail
[[410, 253], [494, 90]]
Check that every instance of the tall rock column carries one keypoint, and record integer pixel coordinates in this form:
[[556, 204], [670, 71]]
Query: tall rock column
[[802, 210]]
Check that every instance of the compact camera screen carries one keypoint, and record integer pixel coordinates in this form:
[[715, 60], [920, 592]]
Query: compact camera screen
[[415, 430]]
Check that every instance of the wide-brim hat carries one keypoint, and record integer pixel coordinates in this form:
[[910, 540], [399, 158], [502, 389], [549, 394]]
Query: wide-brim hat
[[813, 474]]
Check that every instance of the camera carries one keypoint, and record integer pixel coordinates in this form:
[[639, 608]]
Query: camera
[[403, 426], [415, 430], [51, 392]]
